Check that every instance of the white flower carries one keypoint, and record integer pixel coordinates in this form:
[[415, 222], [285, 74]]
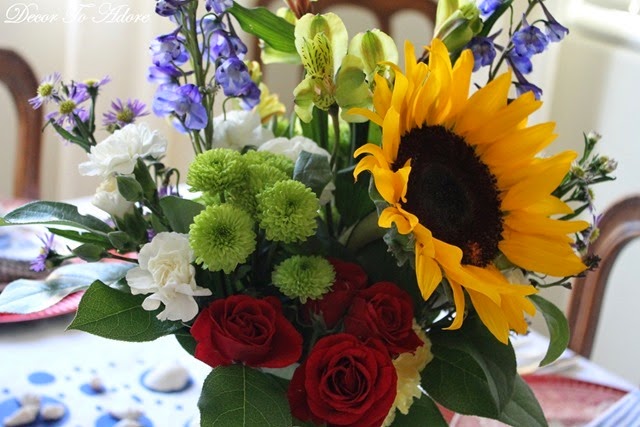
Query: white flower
[[238, 129], [109, 199], [120, 151], [292, 148], [165, 272]]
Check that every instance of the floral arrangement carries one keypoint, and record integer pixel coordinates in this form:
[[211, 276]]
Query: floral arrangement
[[362, 262]]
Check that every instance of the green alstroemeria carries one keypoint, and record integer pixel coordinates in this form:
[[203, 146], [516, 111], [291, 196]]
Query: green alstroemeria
[[457, 22], [374, 48]]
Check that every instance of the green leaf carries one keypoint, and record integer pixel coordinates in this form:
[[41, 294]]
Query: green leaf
[[523, 409], [558, 328], [180, 212], [471, 371], [144, 178], [117, 315], [55, 213], [186, 340], [352, 199], [27, 296], [86, 146], [134, 225], [275, 31], [238, 396], [313, 170], [89, 252], [130, 189], [78, 236], [423, 412], [121, 241]]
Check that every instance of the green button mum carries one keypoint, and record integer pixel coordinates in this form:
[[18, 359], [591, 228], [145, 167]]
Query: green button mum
[[304, 277]]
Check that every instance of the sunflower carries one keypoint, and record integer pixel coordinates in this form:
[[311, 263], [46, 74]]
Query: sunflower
[[461, 174]]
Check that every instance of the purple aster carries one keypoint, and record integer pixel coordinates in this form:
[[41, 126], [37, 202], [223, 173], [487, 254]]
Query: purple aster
[[529, 40], [167, 49], [553, 29], [40, 262], [169, 7], [233, 75], [487, 7], [163, 74], [484, 51], [46, 90], [218, 6], [184, 101], [124, 113], [92, 84], [69, 101], [521, 63]]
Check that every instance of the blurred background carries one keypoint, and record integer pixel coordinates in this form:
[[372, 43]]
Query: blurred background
[[590, 82]]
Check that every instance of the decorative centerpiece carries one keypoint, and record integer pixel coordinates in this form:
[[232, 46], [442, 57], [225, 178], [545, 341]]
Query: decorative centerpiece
[[362, 261]]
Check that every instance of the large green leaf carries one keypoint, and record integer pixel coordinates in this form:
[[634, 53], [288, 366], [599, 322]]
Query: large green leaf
[[471, 371], [523, 409], [55, 213], [313, 170], [27, 296], [352, 199], [239, 396], [82, 237], [118, 315], [423, 412], [275, 31], [180, 212], [558, 328]]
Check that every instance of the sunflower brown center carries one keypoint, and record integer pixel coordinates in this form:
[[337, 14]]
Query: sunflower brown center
[[452, 192]]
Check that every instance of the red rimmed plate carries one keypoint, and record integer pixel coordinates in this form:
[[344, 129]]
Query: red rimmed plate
[[566, 402], [67, 305]]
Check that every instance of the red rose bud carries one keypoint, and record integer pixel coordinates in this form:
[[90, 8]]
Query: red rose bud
[[350, 278], [344, 382], [384, 312], [243, 329]]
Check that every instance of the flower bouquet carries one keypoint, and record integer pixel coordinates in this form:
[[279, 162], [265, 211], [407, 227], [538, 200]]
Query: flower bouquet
[[360, 262]]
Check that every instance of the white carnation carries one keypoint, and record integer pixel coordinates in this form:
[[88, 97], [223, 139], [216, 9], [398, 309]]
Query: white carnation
[[119, 152], [109, 199], [238, 129], [165, 271]]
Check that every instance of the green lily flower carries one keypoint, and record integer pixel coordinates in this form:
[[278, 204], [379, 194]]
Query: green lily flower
[[457, 22]]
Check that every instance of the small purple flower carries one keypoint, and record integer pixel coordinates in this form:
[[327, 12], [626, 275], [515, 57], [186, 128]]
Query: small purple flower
[[40, 262], [523, 85], [219, 45], [69, 101], [46, 91], [487, 7], [529, 40], [233, 75], [169, 7], [251, 97], [168, 49], [484, 51], [94, 85], [553, 29], [218, 6], [521, 63], [239, 48], [163, 74], [209, 24], [124, 113], [184, 101]]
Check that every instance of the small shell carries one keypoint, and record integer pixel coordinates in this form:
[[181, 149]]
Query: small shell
[[29, 399], [97, 385], [127, 423], [128, 413], [52, 411], [167, 378], [22, 416]]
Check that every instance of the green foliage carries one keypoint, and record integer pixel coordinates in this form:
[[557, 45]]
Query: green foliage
[[523, 409], [352, 198], [186, 341], [117, 315], [180, 212], [27, 296], [130, 189], [558, 328], [313, 170], [89, 252], [423, 412], [275, 31], [55, 213], [82, 237], [239, 396]]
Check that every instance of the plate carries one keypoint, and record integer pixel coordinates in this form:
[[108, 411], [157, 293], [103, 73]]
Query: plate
[[566, 402], [67, 305]]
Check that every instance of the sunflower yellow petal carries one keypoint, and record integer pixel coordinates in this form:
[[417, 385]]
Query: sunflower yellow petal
[[381, 96], [538, 224], [491, 315], [376, 152], [403, 221], [520, 146], [549, 205], [458, 301], [428, 273], [391, 135], [375, 118], [462, 77]]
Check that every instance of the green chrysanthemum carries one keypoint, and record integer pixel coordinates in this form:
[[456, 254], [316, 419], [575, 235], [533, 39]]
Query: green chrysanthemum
[[258, 177], [222, 237], [304, 277], [216, 170], [287, 211], [279, 161]]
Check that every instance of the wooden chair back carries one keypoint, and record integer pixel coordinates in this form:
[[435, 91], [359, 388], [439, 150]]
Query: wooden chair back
[[619, 225], [22, 83]]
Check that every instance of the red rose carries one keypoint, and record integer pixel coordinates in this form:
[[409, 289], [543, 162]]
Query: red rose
[[243, 329], [350, 278], [344, 382], [384, 312]]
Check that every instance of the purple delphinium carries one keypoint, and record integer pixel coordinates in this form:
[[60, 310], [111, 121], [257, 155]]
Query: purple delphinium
[[521, 63], [209, 24], [484, 51], [553, 29], [69, 105], [124, 113], [169, 7], [163, 74], [184, 101], [40, 262], [523, 85], [233, 75], [46, 90], [487, 7], [218, 6], [251, 97], [529, 40], [168, 49]]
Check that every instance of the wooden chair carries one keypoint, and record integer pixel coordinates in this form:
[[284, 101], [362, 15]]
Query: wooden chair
[[619, 225], [21, 81]]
